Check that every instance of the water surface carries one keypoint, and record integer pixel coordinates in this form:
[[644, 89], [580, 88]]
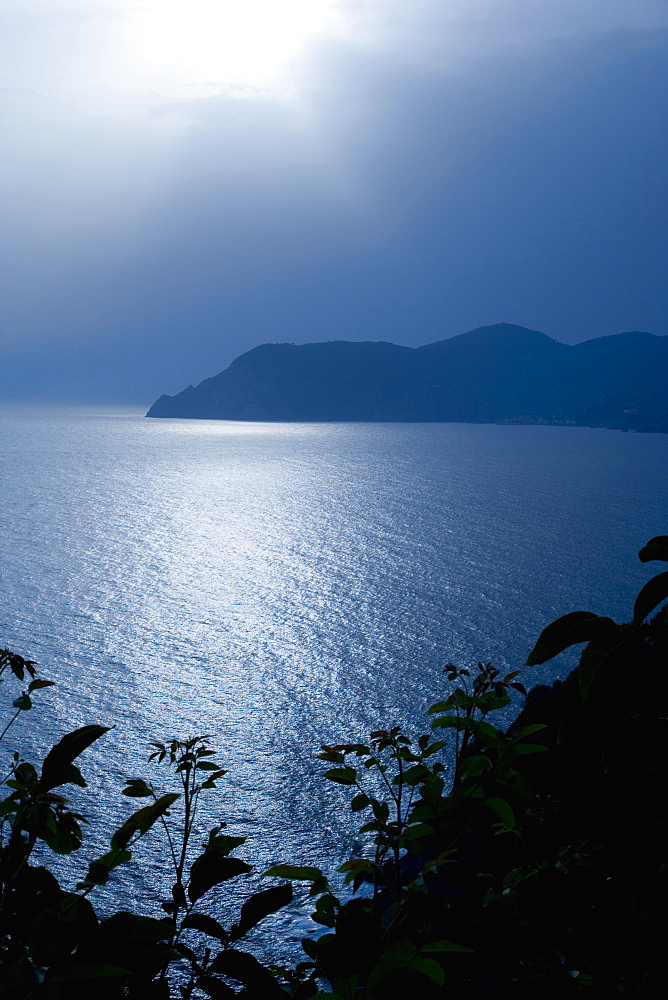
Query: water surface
[[284, 585]]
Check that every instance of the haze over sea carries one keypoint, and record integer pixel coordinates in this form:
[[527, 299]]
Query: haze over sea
[[283, 585]]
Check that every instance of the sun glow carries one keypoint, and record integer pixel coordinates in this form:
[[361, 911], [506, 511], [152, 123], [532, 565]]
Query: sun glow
[[200, 46]]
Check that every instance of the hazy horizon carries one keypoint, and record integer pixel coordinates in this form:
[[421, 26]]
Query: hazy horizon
[[65, 400]]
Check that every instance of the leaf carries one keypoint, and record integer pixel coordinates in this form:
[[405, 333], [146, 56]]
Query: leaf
[[656, 548], [79, 972], [445, 946], [381, 810], [310, 946], [131, 925], [356, 864], [576, 627], [332, 757], [246, 969], [36, 684], [142, 820], [594, 657], [358, 748], [450, 722], [342, 775], [207, 925], [440, 706], [397, 956], [360, 801], [474, 766], [418, 830], [210, 869], [318, 886], [135, 939], [15, 663], [259, 906], [535, 727], [58, 759], [486, 732], [503, 811], [298, 873], [414, 775], [428, 967], [73, 776], [188, 953], [99, 870], [222, 844], [215, 988], [137, 788], [653, 593]]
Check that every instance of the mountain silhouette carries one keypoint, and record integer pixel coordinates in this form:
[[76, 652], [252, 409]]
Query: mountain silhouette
[[501, 373]]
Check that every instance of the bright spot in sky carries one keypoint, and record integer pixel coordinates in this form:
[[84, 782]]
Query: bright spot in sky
[[197, 46]]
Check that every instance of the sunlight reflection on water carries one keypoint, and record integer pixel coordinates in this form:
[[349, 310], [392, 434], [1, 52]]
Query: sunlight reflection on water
[[283, 585]]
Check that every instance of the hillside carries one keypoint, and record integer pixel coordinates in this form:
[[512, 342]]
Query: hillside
[[500, 373]]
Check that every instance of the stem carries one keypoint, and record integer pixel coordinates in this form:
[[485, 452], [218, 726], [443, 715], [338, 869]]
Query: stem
[[395, 846], [194, 811], [400, 791], [383, 776], [172, 851], [11, 721], [455, 778], [185, 780]]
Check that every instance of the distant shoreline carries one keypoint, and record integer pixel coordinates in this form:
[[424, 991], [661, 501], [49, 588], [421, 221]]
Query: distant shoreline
[[489, 423], [501, 374]]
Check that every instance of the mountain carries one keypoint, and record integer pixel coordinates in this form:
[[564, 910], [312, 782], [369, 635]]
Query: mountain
[[502, 373]]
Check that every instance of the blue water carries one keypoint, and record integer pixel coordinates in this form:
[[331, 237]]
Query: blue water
[[283, 585]]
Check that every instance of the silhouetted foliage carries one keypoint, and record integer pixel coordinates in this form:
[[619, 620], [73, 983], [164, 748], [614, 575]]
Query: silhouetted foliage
[[524, 863]]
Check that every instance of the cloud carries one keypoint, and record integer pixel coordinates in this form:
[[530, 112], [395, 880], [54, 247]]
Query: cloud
[[87, 53], [442, 168]]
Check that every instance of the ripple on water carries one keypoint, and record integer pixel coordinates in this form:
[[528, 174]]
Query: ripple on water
[[280, 586]]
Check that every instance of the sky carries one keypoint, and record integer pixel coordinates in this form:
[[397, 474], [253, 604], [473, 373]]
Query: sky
[[182, 180]]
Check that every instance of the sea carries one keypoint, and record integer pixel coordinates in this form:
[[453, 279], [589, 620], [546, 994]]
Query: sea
[[279, 586]]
